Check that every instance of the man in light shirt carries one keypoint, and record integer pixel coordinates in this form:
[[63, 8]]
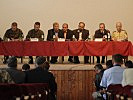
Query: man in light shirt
[[119, 34], [128, 74], [113, 75]]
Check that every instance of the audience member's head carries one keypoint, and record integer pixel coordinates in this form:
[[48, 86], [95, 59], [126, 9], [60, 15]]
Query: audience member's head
[[46, 65], [25, 67], [98, 68], [117, 59], [129, 64], [39, 62], [109, 64], [12, 62]]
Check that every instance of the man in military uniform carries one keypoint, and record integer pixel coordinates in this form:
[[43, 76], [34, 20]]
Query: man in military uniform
[[54, 33], [13, 34], [119, 34], [35, 33], [67, 34], [81, 34], [104, 34]]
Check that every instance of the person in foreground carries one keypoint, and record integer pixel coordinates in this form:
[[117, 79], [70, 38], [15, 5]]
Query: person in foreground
[[128, 74], [99, 73], [41, 75], [25, 67], [109, 64], [113, 75], [17, 75]]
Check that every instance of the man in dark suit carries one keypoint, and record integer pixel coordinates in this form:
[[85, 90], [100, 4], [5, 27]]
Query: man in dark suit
[[53, 35], [67, 34], [41, 75], [102, 33], [81, 34], [16, 75]]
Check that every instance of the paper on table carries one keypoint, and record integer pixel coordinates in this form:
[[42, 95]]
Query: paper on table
[[33, 39], [98, 39]]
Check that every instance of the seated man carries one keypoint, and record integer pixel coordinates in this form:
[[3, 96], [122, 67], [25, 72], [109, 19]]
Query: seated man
[[35, 33], [13, 34], [67, 34], [16, 75], [54, 33], [109, 64], [5, 77], [113, 75], [25, 67], [129, 64], [41, 75], [119, 34], [101, 33], [128, 74], [99, 73], [81, 34]]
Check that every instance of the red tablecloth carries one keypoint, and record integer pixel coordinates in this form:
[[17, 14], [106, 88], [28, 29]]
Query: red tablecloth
[[81, 48]]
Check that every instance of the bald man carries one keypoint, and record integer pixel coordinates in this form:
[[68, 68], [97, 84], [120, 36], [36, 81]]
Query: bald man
[[81, 34], [119, 34]]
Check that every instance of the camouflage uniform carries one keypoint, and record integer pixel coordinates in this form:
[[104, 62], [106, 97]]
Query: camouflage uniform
[[10, 34], [35, 34], [5, 77]]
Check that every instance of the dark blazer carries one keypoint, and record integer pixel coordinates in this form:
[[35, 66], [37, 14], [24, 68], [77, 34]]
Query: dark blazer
[[99, 34], [39, 75], [51, 33], [85, 34], [69, 34], [17, 75]]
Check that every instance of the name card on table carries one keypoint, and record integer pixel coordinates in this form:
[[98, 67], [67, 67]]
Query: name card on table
[[34, 39], [61, 39], [98, 39]]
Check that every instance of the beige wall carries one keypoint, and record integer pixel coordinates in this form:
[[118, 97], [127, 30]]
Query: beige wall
[[92, 12]]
